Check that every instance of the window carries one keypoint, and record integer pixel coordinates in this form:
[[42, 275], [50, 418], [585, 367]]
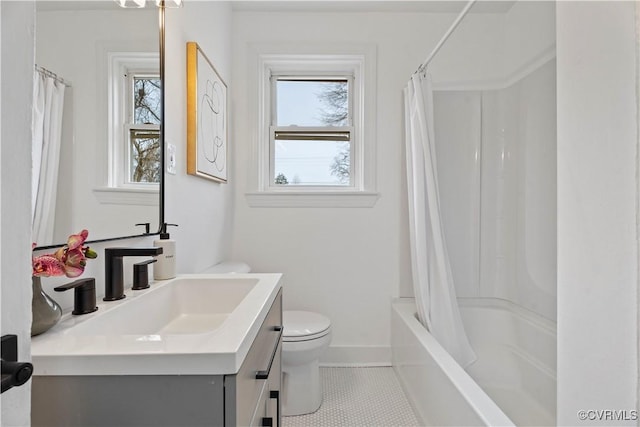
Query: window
[[134, 121], [143, 129], [311, 132], [313, 146]]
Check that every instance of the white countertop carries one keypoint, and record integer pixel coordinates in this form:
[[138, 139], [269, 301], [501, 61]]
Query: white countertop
[[90, 345]]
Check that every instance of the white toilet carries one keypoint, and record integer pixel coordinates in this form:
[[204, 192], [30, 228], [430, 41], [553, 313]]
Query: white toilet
[[305, 336]]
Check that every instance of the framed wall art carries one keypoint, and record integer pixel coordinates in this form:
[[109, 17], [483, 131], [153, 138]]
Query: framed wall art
[[207, 117]]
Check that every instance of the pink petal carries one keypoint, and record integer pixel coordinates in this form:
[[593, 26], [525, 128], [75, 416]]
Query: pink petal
[[75, 258], [76, 240], [48, 265], [60, 254], [72, 271]]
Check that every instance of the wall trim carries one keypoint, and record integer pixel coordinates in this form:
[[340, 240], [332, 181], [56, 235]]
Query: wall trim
[[505, 81], [351, 199]]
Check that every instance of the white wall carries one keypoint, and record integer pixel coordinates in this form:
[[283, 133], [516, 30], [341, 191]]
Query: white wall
[[74, 44], [203, 209], [344, 262], [597, 209], [529, 33], [17, 24]]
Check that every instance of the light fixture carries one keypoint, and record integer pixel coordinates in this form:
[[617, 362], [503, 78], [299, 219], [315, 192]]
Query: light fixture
[[131, 3], [141, 3], [170, 4]]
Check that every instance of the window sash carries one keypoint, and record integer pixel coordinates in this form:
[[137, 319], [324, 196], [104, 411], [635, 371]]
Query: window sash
[[130, 126], [332, 77], [153, 130], [300, 133], [311, 133], [131, 76]]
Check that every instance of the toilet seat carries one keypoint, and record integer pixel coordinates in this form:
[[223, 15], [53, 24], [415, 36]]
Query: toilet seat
[[304, 325]]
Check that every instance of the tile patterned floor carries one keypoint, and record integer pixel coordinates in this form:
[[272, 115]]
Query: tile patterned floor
[[359, 397]]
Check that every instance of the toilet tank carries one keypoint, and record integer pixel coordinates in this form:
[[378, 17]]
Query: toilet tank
[[226, 267]]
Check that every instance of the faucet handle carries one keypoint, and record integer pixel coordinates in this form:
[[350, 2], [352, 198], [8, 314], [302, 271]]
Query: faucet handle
[[147, 225], [141, 274], [84, 296]]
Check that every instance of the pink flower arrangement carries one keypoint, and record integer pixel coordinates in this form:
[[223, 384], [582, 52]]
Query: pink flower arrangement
[[69, 260]]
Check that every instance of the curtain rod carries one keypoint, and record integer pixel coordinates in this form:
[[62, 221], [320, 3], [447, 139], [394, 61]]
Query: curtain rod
[[446, 35], [53, 75]]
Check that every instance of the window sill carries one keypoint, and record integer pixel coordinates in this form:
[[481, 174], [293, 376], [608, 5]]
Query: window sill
[[302, 199], [127, 196]]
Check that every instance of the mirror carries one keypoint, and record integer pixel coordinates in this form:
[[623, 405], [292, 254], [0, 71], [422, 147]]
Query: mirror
[[109, 176]]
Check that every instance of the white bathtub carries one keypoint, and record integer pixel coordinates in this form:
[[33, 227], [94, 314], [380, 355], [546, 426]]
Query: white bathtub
[[513, 382]]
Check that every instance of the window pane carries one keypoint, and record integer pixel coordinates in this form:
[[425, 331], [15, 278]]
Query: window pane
[[312, 103], [311, 162], [146, 102], [144, 158]]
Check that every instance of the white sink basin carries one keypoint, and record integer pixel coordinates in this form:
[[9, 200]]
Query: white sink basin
[[189, 305], [193, 324]]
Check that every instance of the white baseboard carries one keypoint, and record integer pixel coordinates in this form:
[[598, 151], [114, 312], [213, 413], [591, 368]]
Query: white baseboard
[[354, 356]]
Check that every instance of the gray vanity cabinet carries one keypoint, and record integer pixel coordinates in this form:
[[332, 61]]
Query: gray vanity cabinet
[[171, 400], [252, 397]]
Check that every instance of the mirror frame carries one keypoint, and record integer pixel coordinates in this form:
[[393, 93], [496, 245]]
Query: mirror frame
[[161, 221]]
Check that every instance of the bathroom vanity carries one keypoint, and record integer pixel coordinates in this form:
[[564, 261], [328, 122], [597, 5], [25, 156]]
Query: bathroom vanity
[[199, 350]]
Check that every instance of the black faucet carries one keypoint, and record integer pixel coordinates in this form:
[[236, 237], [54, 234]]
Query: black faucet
[[113, 271], [84, 295]]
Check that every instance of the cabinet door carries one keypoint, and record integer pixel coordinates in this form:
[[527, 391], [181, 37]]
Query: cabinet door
[[260, 416], [248, 392], [274, 384], [268, 409]]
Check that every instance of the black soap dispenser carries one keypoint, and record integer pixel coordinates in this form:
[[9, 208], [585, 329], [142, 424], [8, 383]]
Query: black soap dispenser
[[165, 268]]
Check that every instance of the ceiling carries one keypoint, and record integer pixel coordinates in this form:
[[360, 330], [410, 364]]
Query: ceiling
[[424, 6], [51, 5]]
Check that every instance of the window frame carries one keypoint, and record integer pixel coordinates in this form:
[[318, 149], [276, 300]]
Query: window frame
[[130, 125], [357, 60], [124, 67]]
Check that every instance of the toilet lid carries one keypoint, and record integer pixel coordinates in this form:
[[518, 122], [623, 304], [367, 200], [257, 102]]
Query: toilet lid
[[303, 325]]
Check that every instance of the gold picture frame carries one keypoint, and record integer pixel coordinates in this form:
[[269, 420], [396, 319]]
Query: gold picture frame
[[207, 117]]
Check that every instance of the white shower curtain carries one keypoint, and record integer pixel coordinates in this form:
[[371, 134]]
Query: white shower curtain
[[432, 279], [48, 103]]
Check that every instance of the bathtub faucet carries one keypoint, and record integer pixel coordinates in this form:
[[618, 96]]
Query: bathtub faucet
[[113, 269]]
